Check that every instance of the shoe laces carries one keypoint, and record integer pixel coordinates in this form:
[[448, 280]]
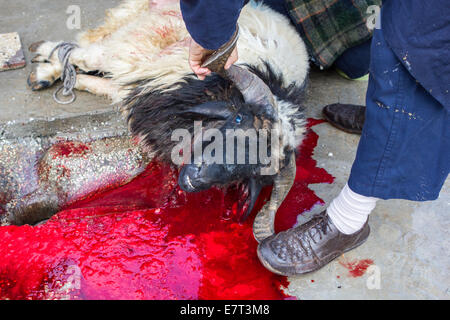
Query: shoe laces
[[301, 242]]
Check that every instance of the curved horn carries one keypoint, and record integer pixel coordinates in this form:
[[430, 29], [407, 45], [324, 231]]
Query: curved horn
[[250, 85], [264, 224]]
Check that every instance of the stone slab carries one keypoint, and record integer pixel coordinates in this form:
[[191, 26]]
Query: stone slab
[[11, 52]]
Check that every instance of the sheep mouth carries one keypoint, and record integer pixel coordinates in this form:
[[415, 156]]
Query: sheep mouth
[[244, 201], [242, 195], [247, 195]]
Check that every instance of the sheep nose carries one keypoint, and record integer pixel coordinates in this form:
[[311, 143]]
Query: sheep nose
[[186, 178]]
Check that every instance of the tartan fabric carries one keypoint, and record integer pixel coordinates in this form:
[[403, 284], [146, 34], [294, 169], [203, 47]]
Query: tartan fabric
[[329, 27]]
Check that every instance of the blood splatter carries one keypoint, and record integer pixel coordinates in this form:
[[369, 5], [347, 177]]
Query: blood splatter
[[357, 268], [150, 240], [69, 148]]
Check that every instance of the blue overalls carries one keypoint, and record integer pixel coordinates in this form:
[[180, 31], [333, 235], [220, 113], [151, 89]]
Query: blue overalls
[[404, 151]]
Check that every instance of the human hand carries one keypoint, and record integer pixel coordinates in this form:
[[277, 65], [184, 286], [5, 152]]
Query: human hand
[[198, 54]]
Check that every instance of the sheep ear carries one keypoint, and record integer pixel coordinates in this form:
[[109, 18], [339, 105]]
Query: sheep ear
[[211, 110]]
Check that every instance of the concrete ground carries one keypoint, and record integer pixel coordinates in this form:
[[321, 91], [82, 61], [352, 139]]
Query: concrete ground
[[409, 243]]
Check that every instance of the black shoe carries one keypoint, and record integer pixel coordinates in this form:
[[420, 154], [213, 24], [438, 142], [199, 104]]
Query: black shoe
[[308, 247], [347, 117]]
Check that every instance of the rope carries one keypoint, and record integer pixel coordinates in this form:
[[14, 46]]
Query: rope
[[69, 74]]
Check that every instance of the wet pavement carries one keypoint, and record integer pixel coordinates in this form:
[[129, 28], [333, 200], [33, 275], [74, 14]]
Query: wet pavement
[[407, 255]]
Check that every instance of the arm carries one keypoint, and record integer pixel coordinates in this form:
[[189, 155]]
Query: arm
[[211, 23]]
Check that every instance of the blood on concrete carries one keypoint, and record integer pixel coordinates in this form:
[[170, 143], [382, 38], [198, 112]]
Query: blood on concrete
[[357, 268], [150, 240]]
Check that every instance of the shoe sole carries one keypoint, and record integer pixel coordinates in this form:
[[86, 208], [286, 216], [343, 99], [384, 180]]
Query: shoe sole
[[334, 124], [271, 269]]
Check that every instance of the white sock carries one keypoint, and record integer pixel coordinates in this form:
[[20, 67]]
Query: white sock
[[350, 211]]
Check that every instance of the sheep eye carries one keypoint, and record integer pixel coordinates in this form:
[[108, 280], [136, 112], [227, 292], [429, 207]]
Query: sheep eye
[[238, 118]]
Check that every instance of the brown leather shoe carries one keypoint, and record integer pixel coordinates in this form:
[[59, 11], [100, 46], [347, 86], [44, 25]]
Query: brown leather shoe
[[308, 247], [347, 117]]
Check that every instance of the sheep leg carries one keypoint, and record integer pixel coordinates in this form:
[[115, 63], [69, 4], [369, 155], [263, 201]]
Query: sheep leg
[[97, 85], [264, 224], [49, 69]]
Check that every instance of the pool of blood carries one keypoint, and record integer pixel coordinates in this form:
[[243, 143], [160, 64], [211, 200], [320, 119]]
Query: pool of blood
[[150, 240]]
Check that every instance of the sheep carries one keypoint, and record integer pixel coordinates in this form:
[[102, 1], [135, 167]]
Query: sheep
[[142, 52]]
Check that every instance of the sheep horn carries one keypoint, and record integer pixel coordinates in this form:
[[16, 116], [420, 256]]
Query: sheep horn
[[253, 89], [264, 224], [218, 58]]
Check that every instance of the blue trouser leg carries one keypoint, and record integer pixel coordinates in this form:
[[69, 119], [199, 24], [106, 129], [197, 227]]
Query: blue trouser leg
[[404, 151], [355, 62]]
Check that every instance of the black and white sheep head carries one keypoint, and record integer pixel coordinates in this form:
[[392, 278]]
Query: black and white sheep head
[[248, 128]]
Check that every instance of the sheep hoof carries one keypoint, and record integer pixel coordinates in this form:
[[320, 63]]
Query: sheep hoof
[[36, 85], [35, 46], [39, 59]]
